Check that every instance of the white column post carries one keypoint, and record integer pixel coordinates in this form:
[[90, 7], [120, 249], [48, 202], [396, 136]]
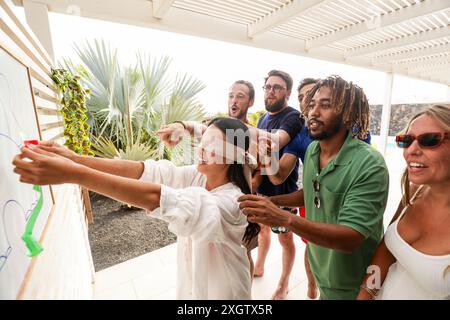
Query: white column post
[[386, 113], [37, 18]]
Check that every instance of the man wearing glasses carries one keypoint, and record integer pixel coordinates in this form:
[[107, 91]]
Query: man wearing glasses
[[286, 122], [345, 190]]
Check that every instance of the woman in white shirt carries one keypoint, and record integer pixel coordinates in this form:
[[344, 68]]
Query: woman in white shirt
[[413, 260], [198, 202]]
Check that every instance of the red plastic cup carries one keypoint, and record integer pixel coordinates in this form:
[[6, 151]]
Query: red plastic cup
[[27, 143]]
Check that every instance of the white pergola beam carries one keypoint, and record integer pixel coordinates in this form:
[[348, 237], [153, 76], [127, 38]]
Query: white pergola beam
[[412, 54], [440, 79], [422, 63], [283, 14], [417, 10], [161, 7], [430, 68], [401, 42], [386, 112], [436, 72]]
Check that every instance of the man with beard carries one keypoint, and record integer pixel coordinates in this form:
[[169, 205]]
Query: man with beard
[[345, 190], [295, 150], [240, 98], [286, 122]]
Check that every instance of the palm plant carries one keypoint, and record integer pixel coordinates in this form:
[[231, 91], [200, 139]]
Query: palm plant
[[128, 104], [253, 118]]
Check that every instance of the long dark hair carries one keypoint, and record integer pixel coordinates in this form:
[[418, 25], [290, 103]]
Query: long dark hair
[[236, 170]]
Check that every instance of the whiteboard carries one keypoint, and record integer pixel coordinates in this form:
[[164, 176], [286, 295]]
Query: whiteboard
[[17, 200]]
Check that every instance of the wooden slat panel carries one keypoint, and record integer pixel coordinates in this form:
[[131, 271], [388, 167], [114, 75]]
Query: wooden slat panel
[[45, 79], [12, 47], [63, 269], [43, 88], [47, 112], [44, 96], [52, 274], [29, 35], [87, 205], [48, 126], [45, 103], [45, 119], [11, 28], [52, 133], [56, 134], [57, 137]]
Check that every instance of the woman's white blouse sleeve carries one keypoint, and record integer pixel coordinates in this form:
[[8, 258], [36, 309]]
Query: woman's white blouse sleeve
[[191, 212], [165, 172]]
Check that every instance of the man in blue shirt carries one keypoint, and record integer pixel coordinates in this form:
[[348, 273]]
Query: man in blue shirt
[[286, 121], [296, 149]]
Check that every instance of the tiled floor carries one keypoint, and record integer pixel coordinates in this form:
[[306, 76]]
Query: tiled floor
[[152, 276]]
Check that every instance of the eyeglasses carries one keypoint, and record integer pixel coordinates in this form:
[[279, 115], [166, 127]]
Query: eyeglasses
[[316, 186], [276, 88], [426, 140]]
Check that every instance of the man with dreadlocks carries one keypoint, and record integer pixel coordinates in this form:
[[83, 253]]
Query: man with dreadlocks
[[345, 190]]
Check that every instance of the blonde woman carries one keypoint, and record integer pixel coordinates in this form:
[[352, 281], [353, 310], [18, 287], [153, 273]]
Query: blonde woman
[[413, 260]]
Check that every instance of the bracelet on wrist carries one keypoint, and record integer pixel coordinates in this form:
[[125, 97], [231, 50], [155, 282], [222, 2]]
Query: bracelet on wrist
[[370, 291], [182, 123]]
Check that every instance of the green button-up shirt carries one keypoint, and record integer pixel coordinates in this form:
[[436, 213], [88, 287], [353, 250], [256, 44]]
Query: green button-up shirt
[[353, 192]]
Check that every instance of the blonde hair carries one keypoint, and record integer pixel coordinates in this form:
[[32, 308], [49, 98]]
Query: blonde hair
[[439, 113]]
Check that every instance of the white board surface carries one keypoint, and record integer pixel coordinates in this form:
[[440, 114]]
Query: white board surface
[[18, 201]]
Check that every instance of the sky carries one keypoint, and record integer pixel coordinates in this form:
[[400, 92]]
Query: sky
[[218, 64]]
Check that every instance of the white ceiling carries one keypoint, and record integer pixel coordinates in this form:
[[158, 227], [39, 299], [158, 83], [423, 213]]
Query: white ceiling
[[408, 37]]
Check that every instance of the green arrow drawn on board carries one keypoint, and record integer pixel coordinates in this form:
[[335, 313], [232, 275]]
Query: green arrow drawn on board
[[30, 241]]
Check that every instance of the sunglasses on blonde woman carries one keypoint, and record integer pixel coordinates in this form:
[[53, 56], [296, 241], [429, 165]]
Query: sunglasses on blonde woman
[[426, 140]]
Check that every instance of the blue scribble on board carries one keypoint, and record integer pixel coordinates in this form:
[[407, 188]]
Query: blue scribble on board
[[26, 214]]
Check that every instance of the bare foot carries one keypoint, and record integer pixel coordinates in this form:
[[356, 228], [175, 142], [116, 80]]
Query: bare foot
[[312, 291], [258, 272], [280, 293]]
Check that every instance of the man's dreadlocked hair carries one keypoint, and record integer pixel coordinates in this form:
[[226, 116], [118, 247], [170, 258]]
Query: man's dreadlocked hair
[[347, 99]]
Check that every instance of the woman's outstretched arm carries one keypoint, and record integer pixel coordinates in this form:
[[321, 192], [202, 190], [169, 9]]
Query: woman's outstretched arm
[[43, 168], [123, 168]]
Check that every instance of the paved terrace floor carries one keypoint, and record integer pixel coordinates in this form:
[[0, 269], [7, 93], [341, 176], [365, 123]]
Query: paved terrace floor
[[152, 276]]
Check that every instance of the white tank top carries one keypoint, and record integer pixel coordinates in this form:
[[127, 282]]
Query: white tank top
[[414, 275]]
